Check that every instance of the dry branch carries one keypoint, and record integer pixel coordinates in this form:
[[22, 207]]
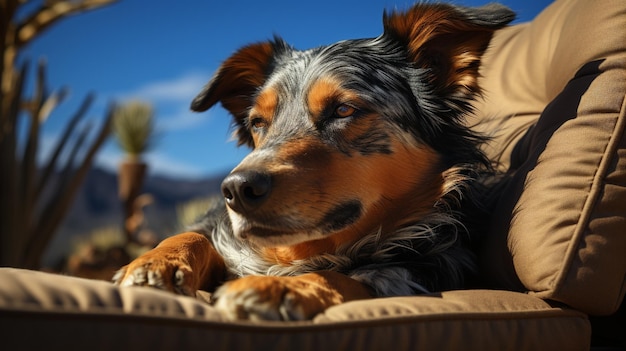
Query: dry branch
[[50, 13]]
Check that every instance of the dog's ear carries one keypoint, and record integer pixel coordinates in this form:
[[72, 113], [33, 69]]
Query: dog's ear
[[237, 81], [447, 41]]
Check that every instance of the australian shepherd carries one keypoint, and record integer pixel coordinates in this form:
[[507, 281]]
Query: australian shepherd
[[360, 167]]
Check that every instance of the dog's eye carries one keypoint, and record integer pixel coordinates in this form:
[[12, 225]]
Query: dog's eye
[[343, 111], [258, 123]]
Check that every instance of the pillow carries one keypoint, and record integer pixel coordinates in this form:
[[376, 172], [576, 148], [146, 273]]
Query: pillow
[[554, 103]]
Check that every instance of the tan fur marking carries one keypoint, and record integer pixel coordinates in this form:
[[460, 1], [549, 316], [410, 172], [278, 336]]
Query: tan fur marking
[[402, 188], [325, 91], [394, 189], [265, 104], [264, 108]]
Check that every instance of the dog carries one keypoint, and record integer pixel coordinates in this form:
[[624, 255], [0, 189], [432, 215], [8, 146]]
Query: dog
[[360, 171]]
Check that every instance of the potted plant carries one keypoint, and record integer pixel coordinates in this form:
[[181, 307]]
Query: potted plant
[[133, 127]]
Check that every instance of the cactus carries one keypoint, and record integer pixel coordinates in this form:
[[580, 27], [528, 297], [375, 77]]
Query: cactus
[[31, 204], [133, 126]]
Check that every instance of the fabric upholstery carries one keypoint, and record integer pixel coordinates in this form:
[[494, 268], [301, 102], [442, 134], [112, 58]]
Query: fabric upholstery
[[40, 309], [554, 103]]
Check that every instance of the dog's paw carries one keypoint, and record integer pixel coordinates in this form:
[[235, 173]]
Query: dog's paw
[[158, 272], [273, 298]]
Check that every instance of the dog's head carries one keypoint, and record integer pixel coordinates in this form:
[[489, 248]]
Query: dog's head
[[355, 136]]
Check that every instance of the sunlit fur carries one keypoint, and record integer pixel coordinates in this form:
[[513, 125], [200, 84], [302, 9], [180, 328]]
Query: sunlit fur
[[371, 165]]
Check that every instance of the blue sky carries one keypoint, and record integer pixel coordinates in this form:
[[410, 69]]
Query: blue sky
[[164, 51]]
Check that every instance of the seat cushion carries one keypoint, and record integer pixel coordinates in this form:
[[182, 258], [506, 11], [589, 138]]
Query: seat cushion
[[41, 309], [554, 103]]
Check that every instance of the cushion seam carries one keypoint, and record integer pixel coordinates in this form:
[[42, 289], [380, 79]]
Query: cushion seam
[[595, 192]]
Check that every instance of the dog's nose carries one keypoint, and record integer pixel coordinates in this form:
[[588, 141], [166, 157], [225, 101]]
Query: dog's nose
[[246, 190]]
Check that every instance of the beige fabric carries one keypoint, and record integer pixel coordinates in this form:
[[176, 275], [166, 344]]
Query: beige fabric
[[560, 223], [39, 309]]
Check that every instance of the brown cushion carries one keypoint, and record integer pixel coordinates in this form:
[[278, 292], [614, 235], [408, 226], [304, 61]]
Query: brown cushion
[[559, 226], [39, 309]]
